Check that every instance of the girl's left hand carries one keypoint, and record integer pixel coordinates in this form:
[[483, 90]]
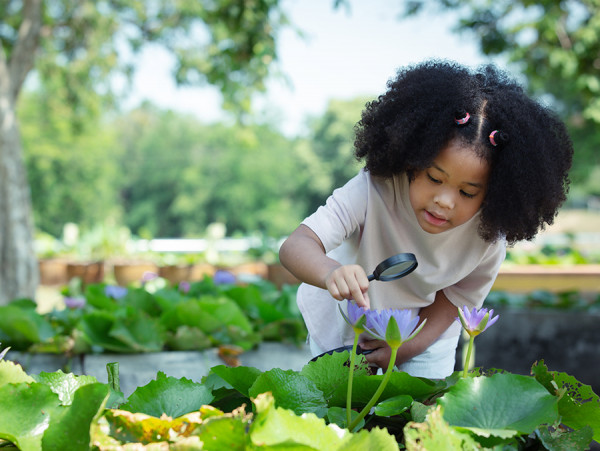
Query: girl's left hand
[[380, 356]]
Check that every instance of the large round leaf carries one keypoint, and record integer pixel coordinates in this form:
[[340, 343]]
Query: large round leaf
[[501, 405], [168, 395], [291, 391]]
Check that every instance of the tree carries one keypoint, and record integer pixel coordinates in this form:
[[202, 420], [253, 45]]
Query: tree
[[328, 154], [555, 45], [74, 46], [180, 175]]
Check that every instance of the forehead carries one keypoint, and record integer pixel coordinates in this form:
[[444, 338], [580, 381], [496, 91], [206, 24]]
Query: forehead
[[462, 163]]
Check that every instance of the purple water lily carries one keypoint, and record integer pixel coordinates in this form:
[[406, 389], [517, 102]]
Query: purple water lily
[[75, 302], [184, 287], [115, 291], [223, 277], [355, 317], [148, 276], [476, 321], [3, 352], [377, 322]]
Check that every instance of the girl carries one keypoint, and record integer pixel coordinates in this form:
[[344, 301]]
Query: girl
[[457, 164]]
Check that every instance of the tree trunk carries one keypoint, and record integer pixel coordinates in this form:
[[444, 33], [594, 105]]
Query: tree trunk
[[19, 272]]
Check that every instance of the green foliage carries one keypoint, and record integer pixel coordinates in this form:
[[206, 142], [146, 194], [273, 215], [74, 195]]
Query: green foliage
[[207, 316], [549, 410]]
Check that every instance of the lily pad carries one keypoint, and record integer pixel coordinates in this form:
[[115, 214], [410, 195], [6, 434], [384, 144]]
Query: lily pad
[[64, 385], [331, 371], [240, 378], [291, 390], [168, 395], [11, 372], [26, 412], [502, 405], [70, 426]]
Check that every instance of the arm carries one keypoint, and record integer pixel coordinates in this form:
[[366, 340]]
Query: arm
[[440, 316], [304, 255]]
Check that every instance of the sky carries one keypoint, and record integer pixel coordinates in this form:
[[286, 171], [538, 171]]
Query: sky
[[342, 55]]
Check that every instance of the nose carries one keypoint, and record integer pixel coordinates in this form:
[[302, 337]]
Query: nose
[[444, 198]]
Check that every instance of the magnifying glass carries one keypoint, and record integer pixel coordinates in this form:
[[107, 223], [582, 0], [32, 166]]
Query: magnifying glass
[[395, 267]]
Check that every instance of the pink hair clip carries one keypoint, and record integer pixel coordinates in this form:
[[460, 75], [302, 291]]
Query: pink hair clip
[[492, 136], [464, 120]]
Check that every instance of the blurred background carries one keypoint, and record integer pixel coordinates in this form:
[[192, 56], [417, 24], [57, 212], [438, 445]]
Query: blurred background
[[204, 132]]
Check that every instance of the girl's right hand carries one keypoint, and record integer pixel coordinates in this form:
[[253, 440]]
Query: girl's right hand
[[349, 282]]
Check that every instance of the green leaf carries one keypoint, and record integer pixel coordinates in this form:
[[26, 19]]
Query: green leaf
[[226, 311], [276, 426], [251, 301], [64, 385], [95, 297], [168, 395], [502, 405], [70, 427], [376, 438], [393, 406], [400, 383], [331, 372], [436, 434], [291, 390], [139, 428], [13, 373], [188, 338], [241, 378], [27, 409], [224, 432], [561, 439], [337, 415], [116, 397], [22, 325], [96, 327], [138, 331], [580, 406]]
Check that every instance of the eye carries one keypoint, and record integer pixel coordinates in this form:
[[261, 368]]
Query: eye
[[434, 180], [467, 195]]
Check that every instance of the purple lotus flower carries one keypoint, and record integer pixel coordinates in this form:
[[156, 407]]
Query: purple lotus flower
[[378, 320], [3, 352], [223, 277], [75, 302], [115, 291], [184, 286], [148, 276], [476, 321], [356, 316]]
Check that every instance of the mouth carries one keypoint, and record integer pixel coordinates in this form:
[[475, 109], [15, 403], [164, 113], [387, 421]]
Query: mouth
[[435, 219]]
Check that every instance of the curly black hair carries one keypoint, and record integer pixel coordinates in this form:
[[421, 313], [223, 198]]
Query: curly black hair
[[403, 130]]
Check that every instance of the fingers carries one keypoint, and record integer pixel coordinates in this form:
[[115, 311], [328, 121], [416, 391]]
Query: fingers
[[349, 282], [380, 356]]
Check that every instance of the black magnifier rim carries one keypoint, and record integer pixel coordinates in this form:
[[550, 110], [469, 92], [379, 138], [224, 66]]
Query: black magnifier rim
[[394, 260]]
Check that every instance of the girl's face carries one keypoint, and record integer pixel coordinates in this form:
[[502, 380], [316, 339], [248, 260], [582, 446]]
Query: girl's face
[[451, 191]]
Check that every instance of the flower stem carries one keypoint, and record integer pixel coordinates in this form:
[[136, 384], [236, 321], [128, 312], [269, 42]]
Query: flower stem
[[377, 394], [350, 379], [468, 359]]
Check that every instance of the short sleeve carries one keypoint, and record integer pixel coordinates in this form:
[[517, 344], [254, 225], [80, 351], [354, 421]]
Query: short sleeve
[[343, 213], [472, 290]]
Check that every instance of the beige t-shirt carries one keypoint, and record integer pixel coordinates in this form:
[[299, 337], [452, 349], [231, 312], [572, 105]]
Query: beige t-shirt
[[370, 219]]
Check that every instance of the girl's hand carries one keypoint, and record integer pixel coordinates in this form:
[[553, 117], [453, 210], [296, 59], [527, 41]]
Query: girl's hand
[[349, 282], [380, 356]]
